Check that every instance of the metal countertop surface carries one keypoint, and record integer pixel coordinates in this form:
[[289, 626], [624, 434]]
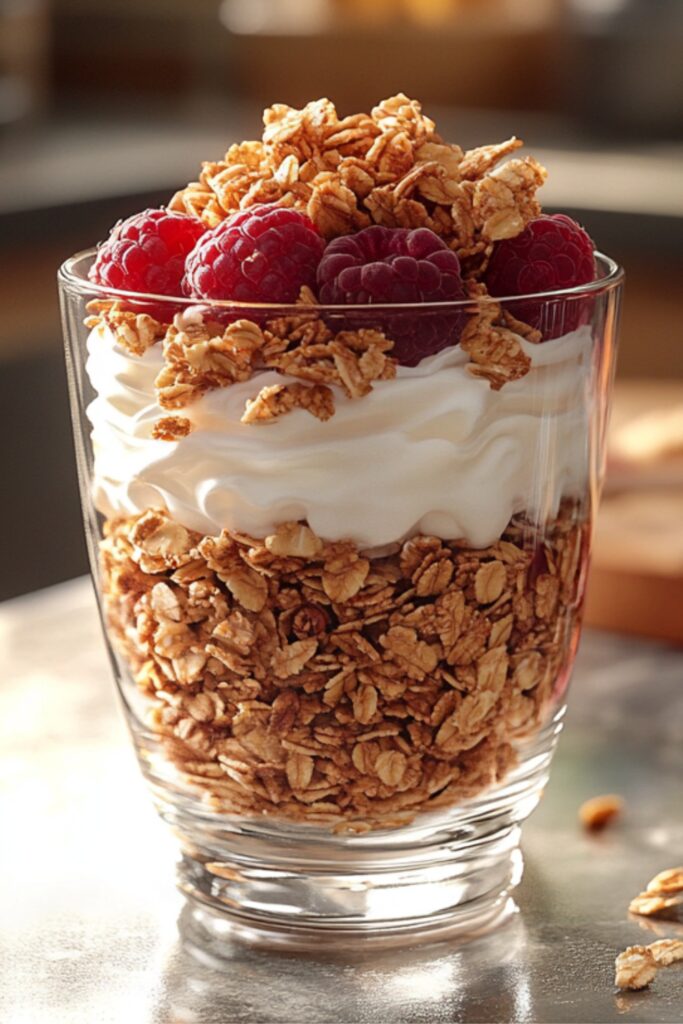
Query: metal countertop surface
[[92, 929]]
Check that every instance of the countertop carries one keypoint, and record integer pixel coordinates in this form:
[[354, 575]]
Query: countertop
[[92, 930]]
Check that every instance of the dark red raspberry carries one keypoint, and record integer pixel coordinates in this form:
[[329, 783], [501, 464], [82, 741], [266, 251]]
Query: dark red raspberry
[[396, 265], [552, 252], [262, 254], [146, 253]]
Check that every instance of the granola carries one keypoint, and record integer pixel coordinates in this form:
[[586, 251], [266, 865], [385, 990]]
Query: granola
[[134, 332], [598, 812], [171, 428], [635, 968], [298, 678], [388, 167], [663, 895]]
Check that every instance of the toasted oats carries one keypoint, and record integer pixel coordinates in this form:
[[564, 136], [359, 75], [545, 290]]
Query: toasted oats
[[478, 162], [164, 602], [666, 951], [294, 540], [299, 769], [247, 587], [547, 592], [500, 631], [495, 351], [306, 297], [635, 968], [202, 708], [503, 200], [596, 813], [289, 660], [492, 670], [433, 578], [199, 357], [298, 679], [654, 905], [364, 701], [334, 210], [449, 617], [237, 631], [391, 766], [528, 671], [278, 399], [171, 428], [157, 535], [529, 334], [344, 575], [134, 332], [669, 881], [415, 657], [489, 582], [471, 643], [392, 211], [310, 620]]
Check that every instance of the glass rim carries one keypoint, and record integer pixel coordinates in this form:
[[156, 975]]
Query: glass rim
[[68, 276]]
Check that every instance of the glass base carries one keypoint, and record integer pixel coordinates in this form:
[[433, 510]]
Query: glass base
[[273, 883], [309, 910]]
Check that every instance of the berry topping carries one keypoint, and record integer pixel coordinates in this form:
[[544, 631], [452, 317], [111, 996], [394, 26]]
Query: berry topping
[[397, 265], [147, 253], [552, 252], [262, 254]]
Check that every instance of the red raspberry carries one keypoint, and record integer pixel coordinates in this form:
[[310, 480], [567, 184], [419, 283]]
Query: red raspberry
[[262, 254], [552, 252], [146, 254], [396, 265]]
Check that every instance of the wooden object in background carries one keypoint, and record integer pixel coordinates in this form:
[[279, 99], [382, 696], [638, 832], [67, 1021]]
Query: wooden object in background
[[636, 582]]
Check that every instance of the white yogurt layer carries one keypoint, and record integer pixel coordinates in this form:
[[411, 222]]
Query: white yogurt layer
[[434, 451]]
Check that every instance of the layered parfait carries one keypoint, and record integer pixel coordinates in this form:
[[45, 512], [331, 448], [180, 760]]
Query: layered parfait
[[343, 487]]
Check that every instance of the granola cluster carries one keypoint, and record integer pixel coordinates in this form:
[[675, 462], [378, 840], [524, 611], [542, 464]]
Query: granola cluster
[[201, 354], [637, 966], [301, 679], [388, 167], [663, 896]]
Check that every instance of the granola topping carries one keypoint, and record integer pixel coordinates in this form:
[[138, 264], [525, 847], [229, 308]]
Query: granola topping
[[637, 966], [388, 167], [663, 896]]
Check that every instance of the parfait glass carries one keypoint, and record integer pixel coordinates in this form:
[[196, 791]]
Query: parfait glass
[[343, 642]]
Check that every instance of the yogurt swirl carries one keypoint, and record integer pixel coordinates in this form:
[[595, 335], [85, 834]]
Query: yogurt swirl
[[434, 451]]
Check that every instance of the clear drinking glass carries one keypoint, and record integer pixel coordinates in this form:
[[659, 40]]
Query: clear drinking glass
[[345, 736]]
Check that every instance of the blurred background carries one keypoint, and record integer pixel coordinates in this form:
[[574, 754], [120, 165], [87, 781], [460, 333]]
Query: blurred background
[[107, 108]]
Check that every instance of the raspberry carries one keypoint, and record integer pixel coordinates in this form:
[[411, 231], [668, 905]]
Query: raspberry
[[396, 265], [552, 252], [262, 254], [146, 254]]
